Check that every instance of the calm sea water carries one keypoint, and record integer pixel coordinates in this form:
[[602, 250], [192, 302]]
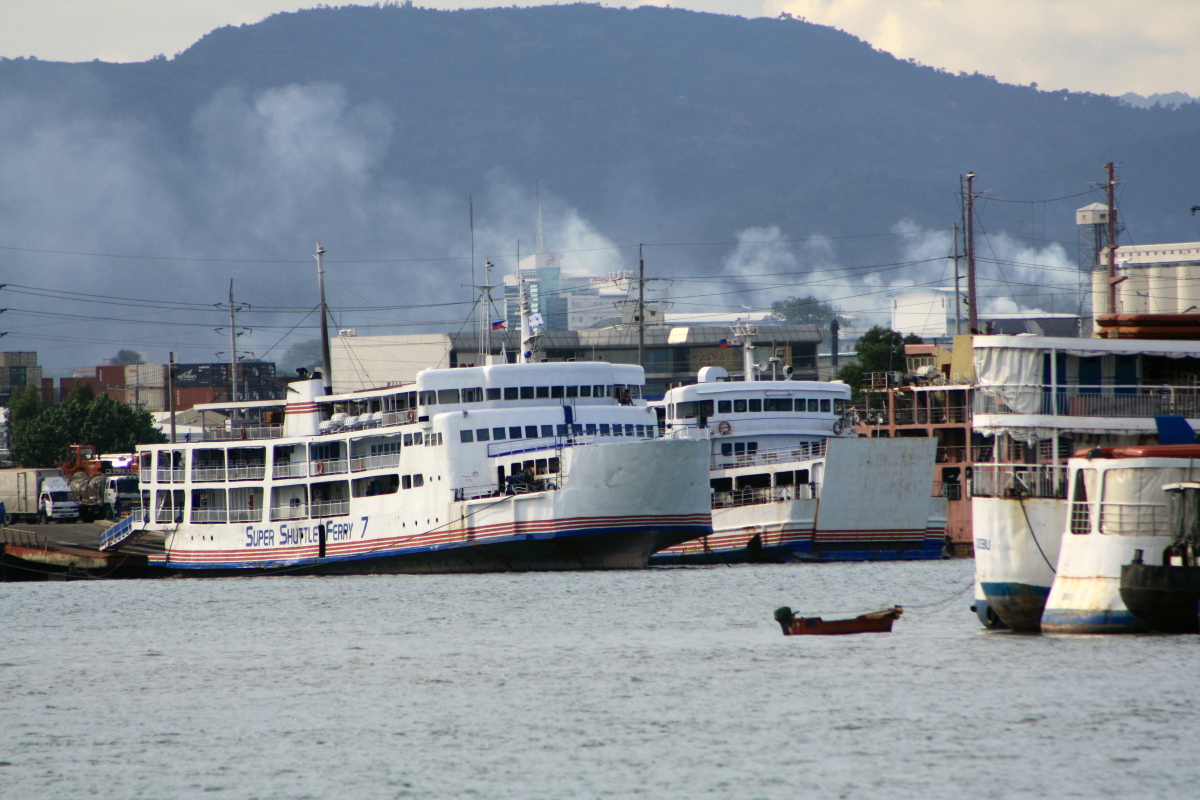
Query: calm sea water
[[665, 683]]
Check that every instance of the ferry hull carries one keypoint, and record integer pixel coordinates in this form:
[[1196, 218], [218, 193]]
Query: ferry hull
[[1088, 605], [1016, 549], [1165, 598]]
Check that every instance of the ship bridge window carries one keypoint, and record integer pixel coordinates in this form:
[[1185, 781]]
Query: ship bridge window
[[1081, 507], [761, 481], [527, 393], [511, 393], [493, 394], [542, 392], [839, 407], [585, 391], [466, 436], [825, 406], [724, 407], [573, 391], [557, 391], [693, 409], [473, 395], [514, 432], [599, 391], [427, 398], [777, 404], [548, 430], [498, 434], [739, 406], [531, 432], [814, 405], [483, 435], [604, 429], [447, 396], [756, 404]]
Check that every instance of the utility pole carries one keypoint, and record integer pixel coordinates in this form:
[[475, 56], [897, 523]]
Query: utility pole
[[326, 364], [171, 393], [1113, 280], [641, 319], [957, 291], [972, 299]]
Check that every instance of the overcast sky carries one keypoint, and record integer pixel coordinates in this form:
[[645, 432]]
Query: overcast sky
[[1105, 46]]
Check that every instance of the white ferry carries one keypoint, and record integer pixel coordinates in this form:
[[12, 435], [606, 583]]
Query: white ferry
[[1042, 399], [1118, 511], [791, 481], [534, 466]]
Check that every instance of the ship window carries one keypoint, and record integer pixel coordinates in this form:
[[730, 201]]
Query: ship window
[[562, 430], [539, 466], [629, 430], [527, 393], [814, 406], [577, 430], [604, 429], [839, 407], [599, 391], [756, 404], [531, 431], [543, 391], [447, 396], [418, 481], [721, 484], [483, 435], [724, 407], [825, 407], [466, 436], [375, 485], [739, 406], [572, 391], [751, 448], [616, 430], [777, 404], [406, 482], [591, 429], [514, 432], [584, 391], [498, 434], [640, 430], [801, 476], [511, 392], [1081, 507], [726, 448], [555, 465], [493, 394], [556, 391], [474, 395], [784, 478], [428, 398], [739, 448], [408, 440], [548, 430], [635, 391]]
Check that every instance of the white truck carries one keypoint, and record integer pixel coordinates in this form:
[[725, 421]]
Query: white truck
[[37, 495], [100, 496]]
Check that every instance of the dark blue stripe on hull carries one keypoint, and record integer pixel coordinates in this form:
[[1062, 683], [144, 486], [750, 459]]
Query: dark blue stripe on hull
[[1019, 605], [1071, 620], [804, 551]]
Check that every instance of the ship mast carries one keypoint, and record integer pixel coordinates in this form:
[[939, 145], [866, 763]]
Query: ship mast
[[745, 334]]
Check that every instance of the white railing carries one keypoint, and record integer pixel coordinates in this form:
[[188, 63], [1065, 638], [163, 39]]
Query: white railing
[[209, 515], [247, 472], [333, 508], [1018, 480], [330, 466], [752, 497], [1134, 519], [171, 475], [359, 463], [288, 470], [243, 432], [800, 452], [289, 512], [1089, 401], [245, 514], [166, 515], [208, 473]]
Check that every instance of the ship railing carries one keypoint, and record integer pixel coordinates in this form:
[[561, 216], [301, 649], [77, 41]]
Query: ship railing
[[298, 469], [205, 515], [359, 463], [167, 515], [247, 472], [950, 491], [1134, 519], [759, 496], [201, 474], [689, 432], [1019, 480], [221, 432], [245, 514], [330, 466], [515, 446], [803, 451], [299, 511], [951, 454], [1089, 400], [118, 533], [171, 475], [333, 508]]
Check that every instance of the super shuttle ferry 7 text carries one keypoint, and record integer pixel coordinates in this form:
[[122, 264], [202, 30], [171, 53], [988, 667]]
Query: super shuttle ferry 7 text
[[790, 480], [536, 466]]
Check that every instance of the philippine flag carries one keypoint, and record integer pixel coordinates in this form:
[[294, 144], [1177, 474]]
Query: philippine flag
[[724, 343], [499, 324]]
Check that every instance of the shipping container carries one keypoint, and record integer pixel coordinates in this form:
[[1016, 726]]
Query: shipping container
[[111, 376], [186, 397]]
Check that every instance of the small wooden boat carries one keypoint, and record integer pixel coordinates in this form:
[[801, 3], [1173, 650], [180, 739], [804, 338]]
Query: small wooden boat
[[875, 622]]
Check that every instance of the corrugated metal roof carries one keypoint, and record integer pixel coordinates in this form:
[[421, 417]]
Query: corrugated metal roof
[[626, 336]]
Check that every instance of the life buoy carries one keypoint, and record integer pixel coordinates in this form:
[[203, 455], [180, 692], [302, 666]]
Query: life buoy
[[725, 428], [837, 426], [410, 415], [320, 467]]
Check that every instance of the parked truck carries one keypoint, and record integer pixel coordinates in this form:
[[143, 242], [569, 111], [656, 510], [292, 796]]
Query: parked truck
[[104, 496], [37, 495]]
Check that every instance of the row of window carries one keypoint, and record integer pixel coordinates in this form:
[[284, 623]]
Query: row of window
[[547, 431], [478, 394], [741, 405]]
